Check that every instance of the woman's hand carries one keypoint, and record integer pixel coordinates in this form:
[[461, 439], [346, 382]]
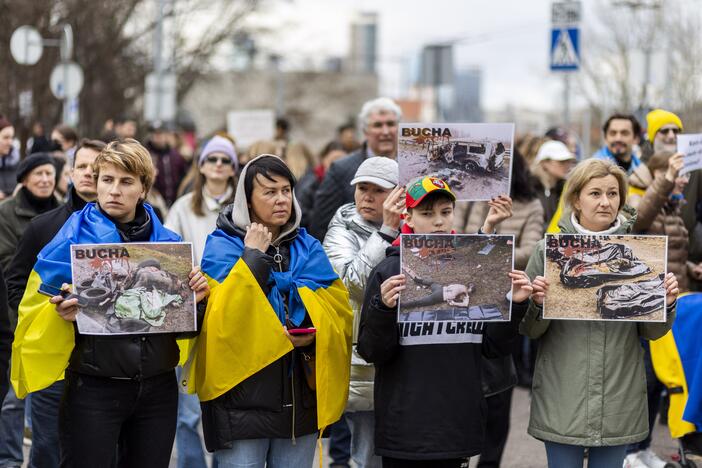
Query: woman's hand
[[258, 237], [198, 283], [500, 209], [66, 308], [393, 206], [671, 288], [540, 287], [521, 286], [675, 164], [299, 341], [390, 290]]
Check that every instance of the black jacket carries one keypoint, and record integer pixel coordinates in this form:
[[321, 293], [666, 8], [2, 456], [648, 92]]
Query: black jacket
[[6, 337], [429, 404], [335, 190], [126, 356], [40, 231], [261, 406]]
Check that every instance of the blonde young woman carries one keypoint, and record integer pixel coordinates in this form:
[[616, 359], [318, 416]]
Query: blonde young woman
[[589, 387]]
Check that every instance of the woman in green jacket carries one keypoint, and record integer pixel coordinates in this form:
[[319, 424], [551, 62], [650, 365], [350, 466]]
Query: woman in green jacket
[[589, 387]]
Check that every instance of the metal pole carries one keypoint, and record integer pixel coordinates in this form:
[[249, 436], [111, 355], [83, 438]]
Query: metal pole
[[566, 99], [158, 63]]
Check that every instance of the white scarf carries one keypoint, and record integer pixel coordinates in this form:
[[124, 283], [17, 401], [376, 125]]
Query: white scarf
[[611, 230]]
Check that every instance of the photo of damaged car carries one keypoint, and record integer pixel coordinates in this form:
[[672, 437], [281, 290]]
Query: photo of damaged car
[[486, 156], [605, 277], [133, 288]]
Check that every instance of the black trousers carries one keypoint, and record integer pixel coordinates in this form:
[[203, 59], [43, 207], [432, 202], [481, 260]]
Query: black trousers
[[399, 463], [497, 429], [132, 419]]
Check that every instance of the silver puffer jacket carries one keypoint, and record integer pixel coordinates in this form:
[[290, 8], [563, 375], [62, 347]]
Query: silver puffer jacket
[[354, 248]]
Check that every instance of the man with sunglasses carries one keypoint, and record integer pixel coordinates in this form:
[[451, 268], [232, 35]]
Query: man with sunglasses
[[621, 133], [663, 129]]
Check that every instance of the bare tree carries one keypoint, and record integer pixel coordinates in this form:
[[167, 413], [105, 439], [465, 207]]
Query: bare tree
[[113, 45]]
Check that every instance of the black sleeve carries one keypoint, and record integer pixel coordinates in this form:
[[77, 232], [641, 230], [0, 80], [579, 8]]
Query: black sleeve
[[327, 199], [260, 265], [500, 337], [6, 337], [19, 269], [378, 338]]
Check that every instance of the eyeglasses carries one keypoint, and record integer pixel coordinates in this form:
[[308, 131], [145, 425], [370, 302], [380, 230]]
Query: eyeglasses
[[665, 131], [216, 159]]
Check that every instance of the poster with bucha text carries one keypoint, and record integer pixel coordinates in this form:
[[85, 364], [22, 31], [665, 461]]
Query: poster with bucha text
[[605, 277], [475, 159], [134, 288], [455, 283]]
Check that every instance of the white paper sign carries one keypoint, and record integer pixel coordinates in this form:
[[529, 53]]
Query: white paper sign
[[250, 126], [691, 146]]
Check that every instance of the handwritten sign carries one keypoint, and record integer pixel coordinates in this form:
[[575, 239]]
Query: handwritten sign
[[691, 146]]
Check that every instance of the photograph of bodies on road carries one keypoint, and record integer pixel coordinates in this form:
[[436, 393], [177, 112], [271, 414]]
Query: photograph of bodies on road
[[454, 279], [134, 288], [605, 277], [474, 159]]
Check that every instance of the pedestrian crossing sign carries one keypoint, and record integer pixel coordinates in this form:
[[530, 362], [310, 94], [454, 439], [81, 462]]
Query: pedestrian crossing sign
[[565, 49]]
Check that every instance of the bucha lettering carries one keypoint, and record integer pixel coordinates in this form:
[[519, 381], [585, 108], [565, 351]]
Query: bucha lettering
[[428, 242], [410, 131], [581, 242], [117, 252]]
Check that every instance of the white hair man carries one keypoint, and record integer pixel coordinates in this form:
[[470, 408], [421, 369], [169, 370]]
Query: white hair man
[[379, 119]]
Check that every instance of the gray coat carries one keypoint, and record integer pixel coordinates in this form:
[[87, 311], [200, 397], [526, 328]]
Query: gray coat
[[589, 384], [354, 248]]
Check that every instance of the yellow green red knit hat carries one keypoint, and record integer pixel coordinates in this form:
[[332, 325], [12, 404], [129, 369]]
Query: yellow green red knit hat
[[657, 118], [419, 189]]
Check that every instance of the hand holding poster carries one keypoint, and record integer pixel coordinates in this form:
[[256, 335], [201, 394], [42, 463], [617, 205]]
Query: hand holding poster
[[691, 146], [595, 277], [474, 159], [134, 288], [451, 280]]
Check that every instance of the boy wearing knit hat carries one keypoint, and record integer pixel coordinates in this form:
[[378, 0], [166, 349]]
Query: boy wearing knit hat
[[663, 129]]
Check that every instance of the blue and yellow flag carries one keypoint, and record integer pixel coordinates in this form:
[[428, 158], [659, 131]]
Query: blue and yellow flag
[[43, 340], [243, 328], [677, 361]]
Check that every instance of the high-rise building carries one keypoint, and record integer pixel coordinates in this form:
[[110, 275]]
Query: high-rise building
[[364, 43], [466, 96]]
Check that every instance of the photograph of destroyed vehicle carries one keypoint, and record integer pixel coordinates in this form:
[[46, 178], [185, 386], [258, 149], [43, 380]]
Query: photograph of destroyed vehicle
[[133, 288], [475, 159], [605, 277]]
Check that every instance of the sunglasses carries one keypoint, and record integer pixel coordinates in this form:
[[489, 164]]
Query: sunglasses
[[665, 131], [216, 159]]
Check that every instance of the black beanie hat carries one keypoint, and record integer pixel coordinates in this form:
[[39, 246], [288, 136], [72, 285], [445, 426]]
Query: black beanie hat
[[30, 162]]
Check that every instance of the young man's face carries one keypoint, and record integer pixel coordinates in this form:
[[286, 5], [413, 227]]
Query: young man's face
[[435, 219], [83, 173], [119, 192], [620, 137]]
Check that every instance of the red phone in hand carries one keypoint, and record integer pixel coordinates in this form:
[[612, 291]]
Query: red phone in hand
[[302, 331]]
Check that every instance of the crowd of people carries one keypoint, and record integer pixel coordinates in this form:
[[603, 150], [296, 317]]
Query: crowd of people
[[297, 278]]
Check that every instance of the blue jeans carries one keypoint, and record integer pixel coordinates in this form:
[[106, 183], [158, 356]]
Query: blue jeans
[[11, 430], [45, 437], [573, 456], [188, 443], [340, 442], [362, 426], [270, 453]]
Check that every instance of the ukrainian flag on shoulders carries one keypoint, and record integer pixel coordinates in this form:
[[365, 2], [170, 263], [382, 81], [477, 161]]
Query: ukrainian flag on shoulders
[[43, 340], [243, 328]]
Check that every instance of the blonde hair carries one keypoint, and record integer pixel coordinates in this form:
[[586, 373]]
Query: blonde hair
[[130, 156], [590, 169]]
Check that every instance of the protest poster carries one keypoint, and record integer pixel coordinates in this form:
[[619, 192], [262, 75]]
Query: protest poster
[[691, 146], [250, 126], [453, 280], [474, 158], [605, 277], [134, 288]]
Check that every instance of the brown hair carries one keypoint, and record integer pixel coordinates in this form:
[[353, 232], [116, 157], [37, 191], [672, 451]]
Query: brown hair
[[590, 169], [68, 133], [95, 145], [659, 161], [130, 156]]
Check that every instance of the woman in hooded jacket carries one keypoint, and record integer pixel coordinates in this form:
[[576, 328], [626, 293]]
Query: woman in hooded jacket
[[589, 386], [277, 329]]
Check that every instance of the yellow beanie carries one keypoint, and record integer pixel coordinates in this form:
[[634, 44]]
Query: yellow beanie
[[657, 118]]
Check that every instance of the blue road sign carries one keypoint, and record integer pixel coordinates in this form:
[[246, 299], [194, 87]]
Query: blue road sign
[[565, 49]]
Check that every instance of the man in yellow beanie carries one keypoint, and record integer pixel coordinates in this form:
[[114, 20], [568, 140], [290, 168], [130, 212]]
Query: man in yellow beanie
[[663, 129]]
